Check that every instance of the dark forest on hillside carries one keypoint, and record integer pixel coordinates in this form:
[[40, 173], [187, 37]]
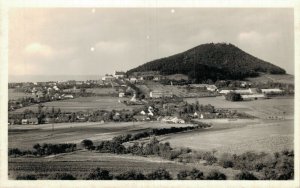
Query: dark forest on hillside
[[211, 61]]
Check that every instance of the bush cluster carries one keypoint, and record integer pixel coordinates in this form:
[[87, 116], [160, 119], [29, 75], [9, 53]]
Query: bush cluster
[[279, 166]]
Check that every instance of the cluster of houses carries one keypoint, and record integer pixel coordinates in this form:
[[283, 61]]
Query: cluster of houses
[[171, 119], [135, 78], [208, 87], [160, 94]]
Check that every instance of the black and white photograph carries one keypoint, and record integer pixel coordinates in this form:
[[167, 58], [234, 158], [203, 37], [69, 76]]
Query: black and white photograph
[[150, 94]]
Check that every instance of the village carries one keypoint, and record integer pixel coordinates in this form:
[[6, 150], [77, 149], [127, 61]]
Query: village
[[145, 92]]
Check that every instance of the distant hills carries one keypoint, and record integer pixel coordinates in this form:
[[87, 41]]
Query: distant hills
[[211, 61]]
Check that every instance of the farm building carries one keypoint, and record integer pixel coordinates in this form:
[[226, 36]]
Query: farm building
[[121, 94], [205, 86], [11, 121], [24, 121], [160, 94], [31, 121], [141, 118], [156, 78], [55, 88], [240, 91], [108, 78], [171, 119], [225, 91], [39, 94], [243, 91], [245, 84], [68, 96], [253, 97], [49, 120], [211, 88], [79, 82], [269, 91], [133, 79], [119, 74]]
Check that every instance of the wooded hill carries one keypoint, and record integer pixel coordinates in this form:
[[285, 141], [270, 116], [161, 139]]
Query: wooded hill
[[211, 61]]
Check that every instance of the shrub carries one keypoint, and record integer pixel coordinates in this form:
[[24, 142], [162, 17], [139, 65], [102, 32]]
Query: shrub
[[196, 174], [99, 174], [233, 97], [26, 177], [245, 175], [14, 151], [61, 176], [216, 175], [88, 144], [283, 169], [159, 174], [131, 175], [183, 175], [226, 161], [209, 157]]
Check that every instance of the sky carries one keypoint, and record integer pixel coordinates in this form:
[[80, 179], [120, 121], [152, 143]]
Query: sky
[[96, 41]]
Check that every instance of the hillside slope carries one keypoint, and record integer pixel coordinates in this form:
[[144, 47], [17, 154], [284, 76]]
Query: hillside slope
[[211, 61]]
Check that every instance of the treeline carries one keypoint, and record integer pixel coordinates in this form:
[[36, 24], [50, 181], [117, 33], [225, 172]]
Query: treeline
[[44, 149], [55, 115], [152, 148], [279, 166], [158, 174], [211, 61]]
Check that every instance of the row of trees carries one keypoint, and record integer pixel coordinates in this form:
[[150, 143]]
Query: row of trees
[[44, 149], [158, 174], [116, 144]]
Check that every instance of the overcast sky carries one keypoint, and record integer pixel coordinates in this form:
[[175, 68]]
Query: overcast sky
[[98, 41]]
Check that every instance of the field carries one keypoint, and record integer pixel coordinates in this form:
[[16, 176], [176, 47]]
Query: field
[[80, 163], [179, 91], [258, 108], [264, 78], [83, 104], [263, 136], [24, 137], [103, 91], [177, 77], [13, 95]]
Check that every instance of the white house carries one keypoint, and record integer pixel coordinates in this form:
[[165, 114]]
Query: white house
[[121, 94], [108, 78], [143, 112], [119, 74], [275, 90], [211, 88], [240, 91], [133, 79], [160, 94], [150, 113], [24, 121], [55, 88], [68, 96], [195, 114], [225, 91], [171, 119], [253, 97]]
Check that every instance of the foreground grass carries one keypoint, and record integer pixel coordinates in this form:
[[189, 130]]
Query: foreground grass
[[80, 163]]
